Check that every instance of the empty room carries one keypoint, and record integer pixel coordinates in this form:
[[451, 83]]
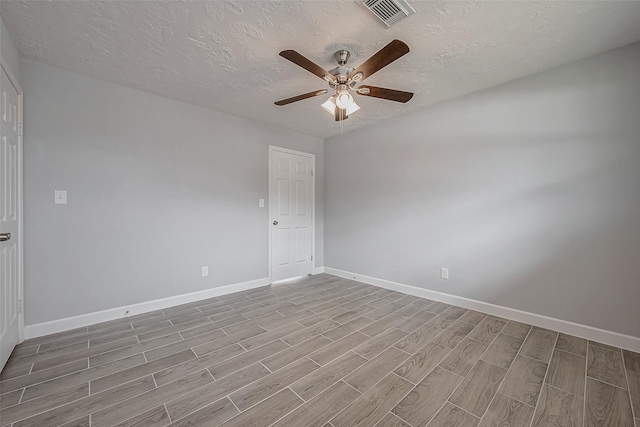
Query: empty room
[[319, 213]]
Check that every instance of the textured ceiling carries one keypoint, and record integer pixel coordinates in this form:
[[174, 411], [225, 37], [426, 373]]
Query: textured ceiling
[[224, 54]]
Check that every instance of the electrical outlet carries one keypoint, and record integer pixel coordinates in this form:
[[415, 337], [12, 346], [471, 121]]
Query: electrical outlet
[[444, 273], [205, 271], [60, 197], [261, 203]]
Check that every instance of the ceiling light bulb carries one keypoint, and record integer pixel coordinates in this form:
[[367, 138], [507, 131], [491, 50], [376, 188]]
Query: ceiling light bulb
[[344, 99]]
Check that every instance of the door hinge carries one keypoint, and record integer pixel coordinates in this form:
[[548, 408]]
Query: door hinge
[[19, 306], [311, 172], [311, 257], [20, 129]]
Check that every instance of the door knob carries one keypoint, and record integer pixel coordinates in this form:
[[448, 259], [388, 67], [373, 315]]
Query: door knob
[[5, 236], [275, 222]]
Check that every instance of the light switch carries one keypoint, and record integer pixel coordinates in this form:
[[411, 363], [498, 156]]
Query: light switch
[[60, 197], [261, 203]]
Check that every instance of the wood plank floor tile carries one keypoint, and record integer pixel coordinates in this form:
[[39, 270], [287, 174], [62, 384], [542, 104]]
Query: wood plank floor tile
[[424, 401], [382, 325], [374, 404], [473, 317], [82, 353], [63, 354], [337, 348], [310, 332], [12, 371], [126, 409], [272, 335], [505, 411], [74, 410], [452, 416], [376, 345], [538, 345], [20, 351], [558, 408], [418, 338], [35, 406], [414, 322], [123, 352], [516, 329], [464, 356], [524, 380], [182, 327], [81, 422], [321, 408], [420, 364], [488, 329], [634, 390], [286, 356], [289, 355], [454, 334], [447, 317], [267, 411], [129, 374], [478, 388], [272, 383], [11, 398], [211, 326], [212, 415], [567, 372], [391, 420], [503, 350], [572, 344], [234, 338], [607, 405], [348, 328], [44, 375], [377, 368], [180, 346], [80, 377], [631, 360], [155, 417], [329, 374], [206, 361], [438, 307], [243, 360], [180, 406], [606, 365], [414, 307]]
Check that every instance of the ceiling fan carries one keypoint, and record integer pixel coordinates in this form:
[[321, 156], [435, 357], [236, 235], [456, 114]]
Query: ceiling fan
[[344, 79]]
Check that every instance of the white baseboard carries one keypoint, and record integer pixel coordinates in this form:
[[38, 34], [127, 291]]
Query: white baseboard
[[588, 332], [318, 270], [60, 325]]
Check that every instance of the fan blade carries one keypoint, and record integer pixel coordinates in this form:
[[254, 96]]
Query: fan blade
[[381, 59], [384, 93], [340, 114], [301, 97], [308, 65]]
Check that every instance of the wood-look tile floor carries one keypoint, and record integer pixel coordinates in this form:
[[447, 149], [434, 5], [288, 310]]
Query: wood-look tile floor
[[321, 351]]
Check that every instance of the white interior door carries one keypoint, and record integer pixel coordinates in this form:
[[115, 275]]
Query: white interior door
[[10, 216], [291, 204]]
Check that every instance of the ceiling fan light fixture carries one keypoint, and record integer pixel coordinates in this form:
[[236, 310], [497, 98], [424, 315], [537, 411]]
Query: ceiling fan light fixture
[[352, 108], [344, 99], [330, 105]]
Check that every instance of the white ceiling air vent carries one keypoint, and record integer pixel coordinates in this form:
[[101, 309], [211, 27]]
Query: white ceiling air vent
[[389, 11]]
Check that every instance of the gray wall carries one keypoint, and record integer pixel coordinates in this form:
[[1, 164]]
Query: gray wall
[[8, 51], [156, 189], [528, 192]]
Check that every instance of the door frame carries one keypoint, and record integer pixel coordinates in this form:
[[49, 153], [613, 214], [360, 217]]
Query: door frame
[[14, 82], [273, 148]]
